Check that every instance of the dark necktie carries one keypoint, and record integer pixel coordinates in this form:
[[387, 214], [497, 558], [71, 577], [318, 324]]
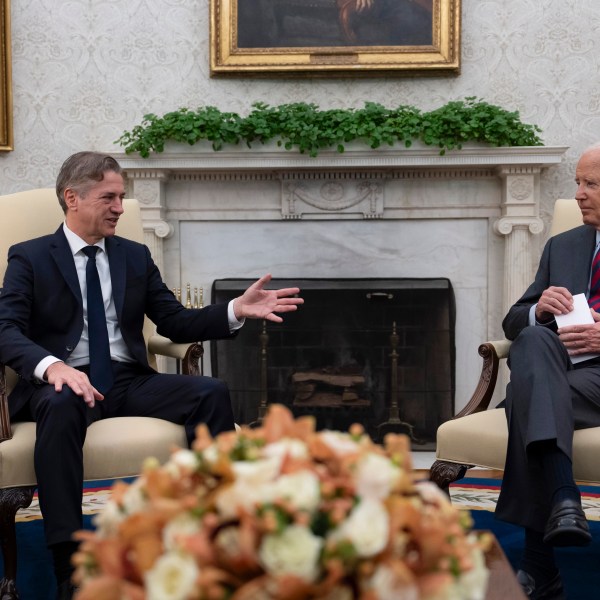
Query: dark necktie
[[100, 365], [594, 298]]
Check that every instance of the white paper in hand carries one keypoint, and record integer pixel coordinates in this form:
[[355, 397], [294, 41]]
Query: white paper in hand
[[580, 315]]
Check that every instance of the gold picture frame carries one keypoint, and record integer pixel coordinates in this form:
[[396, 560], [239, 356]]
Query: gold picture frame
[[334, 37], [6, 128]]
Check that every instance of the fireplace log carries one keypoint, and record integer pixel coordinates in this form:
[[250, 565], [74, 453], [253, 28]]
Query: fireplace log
[[325, 387]]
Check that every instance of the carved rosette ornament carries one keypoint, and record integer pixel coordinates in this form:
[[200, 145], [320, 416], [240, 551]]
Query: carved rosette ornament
[[521, 189]]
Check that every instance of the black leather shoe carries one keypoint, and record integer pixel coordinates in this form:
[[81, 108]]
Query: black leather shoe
[[567, 525], [66, 591], [551, 590]]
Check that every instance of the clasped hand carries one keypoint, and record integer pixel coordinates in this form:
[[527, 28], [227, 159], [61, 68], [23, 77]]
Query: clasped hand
[[258, 303], [578, 339]]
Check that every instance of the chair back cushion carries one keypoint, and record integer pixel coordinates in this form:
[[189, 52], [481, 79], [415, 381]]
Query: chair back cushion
[[566, 215], [31, 214]]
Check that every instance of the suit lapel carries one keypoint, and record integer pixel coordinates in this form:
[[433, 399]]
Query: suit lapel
[[581, 259], [62, 255], [118, 272]]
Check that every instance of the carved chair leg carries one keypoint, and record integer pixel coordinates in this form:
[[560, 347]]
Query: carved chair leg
[[444, 473], [11, 500]]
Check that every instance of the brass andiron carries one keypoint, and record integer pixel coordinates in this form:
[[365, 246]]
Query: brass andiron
[[394, 424], [262, 407], [198, 298], [197, 303]]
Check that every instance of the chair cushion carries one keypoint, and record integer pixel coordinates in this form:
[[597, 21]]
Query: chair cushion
[[477, 439], [113, 448], [480, 439]]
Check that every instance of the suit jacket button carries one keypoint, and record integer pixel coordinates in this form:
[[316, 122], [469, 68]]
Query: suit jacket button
[[69, 348]]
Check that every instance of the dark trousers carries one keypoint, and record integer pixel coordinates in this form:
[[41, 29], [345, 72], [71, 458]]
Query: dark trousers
[[547, 399], [62, 419]]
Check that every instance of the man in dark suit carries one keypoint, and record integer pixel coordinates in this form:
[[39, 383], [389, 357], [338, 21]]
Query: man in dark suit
[[552, 393], [49, 335]]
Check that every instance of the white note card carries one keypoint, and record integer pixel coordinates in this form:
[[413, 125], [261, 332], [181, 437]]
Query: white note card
[[580, 315]]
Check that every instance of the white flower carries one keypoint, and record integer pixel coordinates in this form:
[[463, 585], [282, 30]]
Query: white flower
[[367, 528], [375, 476], [340, 443], [301, 489], [134, 498], [472, 584], [257, 471], [254, 484], [185, 459], [295, 551], [183, 525], [386, 586], [286, 447], [210, 454], [241, 495], [173, 577], [431, 493], [107, 521]]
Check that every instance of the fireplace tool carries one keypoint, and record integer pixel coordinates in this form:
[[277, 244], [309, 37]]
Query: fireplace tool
[[394, 424]]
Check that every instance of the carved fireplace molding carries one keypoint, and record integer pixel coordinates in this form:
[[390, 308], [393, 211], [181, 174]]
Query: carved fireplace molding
[[500, 184]]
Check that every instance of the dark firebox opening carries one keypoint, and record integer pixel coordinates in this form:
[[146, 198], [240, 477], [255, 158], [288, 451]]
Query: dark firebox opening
[[335, 357]]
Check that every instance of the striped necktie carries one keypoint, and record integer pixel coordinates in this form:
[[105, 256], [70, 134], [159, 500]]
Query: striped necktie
[[594, 297], [100, 366]]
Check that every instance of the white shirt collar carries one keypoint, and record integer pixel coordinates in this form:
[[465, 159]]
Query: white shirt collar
[[76, 243]]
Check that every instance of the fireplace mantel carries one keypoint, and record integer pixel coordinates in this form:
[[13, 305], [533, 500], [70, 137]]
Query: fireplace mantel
[[491, 194], [321, 187], [186, 158]]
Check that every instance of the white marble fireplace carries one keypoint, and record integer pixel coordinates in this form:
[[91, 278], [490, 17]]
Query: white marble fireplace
[[469, 215]]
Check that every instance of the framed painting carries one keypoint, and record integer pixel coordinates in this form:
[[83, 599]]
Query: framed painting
[[334, 37], [6, 131]]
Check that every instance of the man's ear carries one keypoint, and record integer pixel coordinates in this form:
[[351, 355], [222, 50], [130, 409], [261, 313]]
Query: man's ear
[[71, 198]]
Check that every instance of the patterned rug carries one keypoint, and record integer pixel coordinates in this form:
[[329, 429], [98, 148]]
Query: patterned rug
[[482, 494], [579, 567], [95, 496], [472, 494]]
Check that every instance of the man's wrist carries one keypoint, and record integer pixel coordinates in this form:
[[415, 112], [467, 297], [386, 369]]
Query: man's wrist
[[42, 367], [235, 322]]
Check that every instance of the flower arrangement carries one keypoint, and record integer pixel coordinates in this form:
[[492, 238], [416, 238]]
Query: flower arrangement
[[281, 512]]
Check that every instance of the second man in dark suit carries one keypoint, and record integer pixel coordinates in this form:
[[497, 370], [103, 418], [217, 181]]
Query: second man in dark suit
[[551, 393]]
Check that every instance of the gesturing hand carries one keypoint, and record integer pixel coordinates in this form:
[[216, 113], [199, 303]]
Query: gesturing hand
[[258, 303]]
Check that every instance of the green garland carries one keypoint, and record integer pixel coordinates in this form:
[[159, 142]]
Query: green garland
[[306, 128]]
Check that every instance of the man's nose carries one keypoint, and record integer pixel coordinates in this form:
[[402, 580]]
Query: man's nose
[[117, 206]]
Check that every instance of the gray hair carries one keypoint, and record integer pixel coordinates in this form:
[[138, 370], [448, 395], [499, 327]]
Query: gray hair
[[80, 171]]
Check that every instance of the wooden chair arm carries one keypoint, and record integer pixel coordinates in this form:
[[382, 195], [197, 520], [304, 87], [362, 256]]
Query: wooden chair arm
[[491, 352], [188, 354], [5, 429]]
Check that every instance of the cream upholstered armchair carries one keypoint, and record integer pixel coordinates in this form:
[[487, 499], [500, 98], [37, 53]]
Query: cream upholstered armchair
[[478, 436], [114, 447]]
